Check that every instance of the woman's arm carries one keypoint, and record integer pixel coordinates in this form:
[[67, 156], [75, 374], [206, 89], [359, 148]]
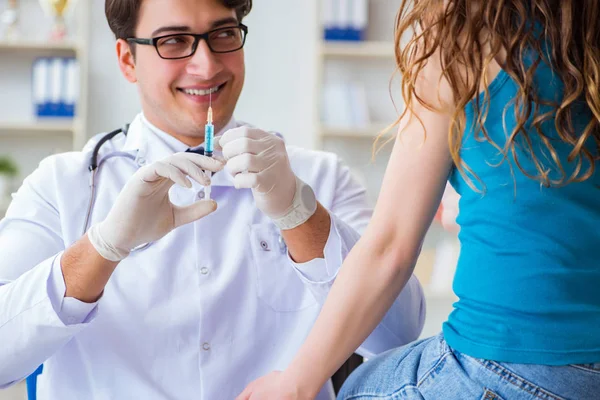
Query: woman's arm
[[381, 263]]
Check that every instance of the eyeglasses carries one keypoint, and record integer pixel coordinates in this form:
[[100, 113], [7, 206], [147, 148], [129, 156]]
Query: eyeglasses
[[183, 45]]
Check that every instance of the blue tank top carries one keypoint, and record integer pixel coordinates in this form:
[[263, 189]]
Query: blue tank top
[[528, 275]]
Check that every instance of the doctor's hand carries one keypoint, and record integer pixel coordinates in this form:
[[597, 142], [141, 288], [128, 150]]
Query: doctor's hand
[[143, 213], [276, 385], [258, 160]]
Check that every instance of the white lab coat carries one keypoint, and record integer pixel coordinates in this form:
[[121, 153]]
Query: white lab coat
[[200, 313]]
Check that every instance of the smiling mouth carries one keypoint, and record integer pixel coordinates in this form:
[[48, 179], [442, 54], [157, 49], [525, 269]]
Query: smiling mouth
[[199, 92]]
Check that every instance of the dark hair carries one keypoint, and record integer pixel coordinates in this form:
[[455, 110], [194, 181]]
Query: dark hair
[[122, 15]]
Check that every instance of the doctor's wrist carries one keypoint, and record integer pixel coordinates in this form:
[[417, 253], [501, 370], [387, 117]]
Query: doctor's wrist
[[85, 272]]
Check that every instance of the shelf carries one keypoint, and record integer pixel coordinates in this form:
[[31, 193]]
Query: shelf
[[30, 46], [66, 128], [358, 49], [367, 132]]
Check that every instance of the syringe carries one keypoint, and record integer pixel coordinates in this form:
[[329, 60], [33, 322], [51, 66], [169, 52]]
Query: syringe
[[209, 135]]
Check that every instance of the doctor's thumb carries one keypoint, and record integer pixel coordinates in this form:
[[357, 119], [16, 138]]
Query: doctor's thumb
[[193, 212]]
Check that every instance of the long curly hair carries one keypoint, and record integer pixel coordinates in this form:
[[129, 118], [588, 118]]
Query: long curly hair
[[570, 30]]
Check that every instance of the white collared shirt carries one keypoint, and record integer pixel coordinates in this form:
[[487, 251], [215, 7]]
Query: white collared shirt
[[198, 314]]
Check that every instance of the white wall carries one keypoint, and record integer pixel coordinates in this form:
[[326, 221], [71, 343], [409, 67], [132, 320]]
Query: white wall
[[280, 61], [281, 54], [112, 100]]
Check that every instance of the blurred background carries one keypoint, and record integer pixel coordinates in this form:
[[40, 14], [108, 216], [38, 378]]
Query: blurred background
[[319, 72]]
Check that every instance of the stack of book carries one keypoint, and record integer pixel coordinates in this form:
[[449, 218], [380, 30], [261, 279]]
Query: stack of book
[[345, 19], [345, 105], [55, 86]]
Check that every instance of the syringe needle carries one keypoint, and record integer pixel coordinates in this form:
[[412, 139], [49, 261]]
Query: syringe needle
[[208, 139]]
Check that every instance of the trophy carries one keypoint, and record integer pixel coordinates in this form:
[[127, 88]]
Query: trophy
[[57, 8], [10, 20]]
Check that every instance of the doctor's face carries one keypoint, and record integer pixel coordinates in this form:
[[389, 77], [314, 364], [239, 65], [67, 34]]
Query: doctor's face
[[174, 92]]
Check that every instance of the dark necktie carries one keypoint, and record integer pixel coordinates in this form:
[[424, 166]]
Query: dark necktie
[[199, 150]]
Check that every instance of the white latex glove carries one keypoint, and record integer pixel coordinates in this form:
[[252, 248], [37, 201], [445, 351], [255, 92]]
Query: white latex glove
[[143, 212], [258, 160]]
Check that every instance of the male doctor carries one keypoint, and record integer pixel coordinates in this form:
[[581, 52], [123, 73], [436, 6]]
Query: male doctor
[[162, 294]]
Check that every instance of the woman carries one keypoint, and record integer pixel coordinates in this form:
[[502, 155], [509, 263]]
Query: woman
[[503, 99]]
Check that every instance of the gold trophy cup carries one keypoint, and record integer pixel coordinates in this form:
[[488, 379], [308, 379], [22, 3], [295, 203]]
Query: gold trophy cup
[[57, 8]]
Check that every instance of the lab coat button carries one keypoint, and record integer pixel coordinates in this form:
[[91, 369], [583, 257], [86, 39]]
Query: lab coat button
[[264, 245], [206, 346], [201, 195], [141, 161], [204, 271]]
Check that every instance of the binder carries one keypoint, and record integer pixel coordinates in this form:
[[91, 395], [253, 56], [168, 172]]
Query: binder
[[71, 87], [40, 92], [55, 86], [358, 20], [345, 20], [56, 77], [345, 105], [328, 8]]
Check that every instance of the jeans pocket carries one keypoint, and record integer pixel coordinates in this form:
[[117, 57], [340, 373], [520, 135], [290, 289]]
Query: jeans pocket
[[595, 367], [523, 381], [489, 395]]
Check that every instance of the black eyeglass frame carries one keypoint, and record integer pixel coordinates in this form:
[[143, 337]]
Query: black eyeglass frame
[[197, 38]]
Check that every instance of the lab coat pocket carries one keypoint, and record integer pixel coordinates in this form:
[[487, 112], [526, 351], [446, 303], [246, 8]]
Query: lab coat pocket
[[278, 285]]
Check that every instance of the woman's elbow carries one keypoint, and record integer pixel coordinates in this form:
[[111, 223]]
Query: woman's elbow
[[396, 248], [398, 257]]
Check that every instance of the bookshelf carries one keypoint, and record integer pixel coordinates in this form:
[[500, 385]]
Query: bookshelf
[[358, 50], [367, 67], [39, 46], [21, 131], [371, 63], [35, 128], [359, 132]]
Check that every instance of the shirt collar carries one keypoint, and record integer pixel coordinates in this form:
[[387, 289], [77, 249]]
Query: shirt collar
[[153, 144]]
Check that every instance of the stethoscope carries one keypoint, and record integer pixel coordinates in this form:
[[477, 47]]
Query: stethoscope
[[94, 166]]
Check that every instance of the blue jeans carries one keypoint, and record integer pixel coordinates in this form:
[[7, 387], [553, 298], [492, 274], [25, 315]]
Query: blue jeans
[[430, 369]]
